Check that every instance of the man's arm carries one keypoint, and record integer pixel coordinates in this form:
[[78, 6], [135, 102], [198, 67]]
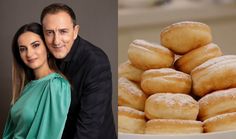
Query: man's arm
[[95, 99]]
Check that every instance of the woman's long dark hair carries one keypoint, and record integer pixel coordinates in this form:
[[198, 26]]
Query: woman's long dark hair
[[22, 74]]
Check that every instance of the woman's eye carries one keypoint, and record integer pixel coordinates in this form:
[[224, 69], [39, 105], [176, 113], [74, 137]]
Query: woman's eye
[[22, 49], [36, 45]]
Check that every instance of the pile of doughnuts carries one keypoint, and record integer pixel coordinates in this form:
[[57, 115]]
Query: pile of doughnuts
[[183, 85]]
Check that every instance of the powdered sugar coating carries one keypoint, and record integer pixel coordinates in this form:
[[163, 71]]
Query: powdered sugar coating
[[213, 61], [220, 117], [130, 86], [174, 99], [144, 44], [175, 121], [217, 95], [183, 24], [130, 110], [165, 72]]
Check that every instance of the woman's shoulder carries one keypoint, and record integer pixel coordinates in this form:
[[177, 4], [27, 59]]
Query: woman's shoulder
[[59, 87], [58, 80]]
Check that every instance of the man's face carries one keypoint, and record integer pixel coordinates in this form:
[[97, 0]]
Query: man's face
[[59, 33]]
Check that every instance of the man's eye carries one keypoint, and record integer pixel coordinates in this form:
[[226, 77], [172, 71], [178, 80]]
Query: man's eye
[[63, 31], [49, 32]]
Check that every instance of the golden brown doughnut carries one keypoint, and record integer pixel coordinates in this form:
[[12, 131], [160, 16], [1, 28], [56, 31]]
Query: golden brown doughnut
[[215, 74], [173, 126], [196, 57], [132, 73], [165, 80], [218, 102], [223, 122], [131, 120], [185, 36], [130, 94], [145, 55], [171, 106]]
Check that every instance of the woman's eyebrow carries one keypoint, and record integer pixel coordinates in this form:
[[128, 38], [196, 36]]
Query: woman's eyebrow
[[34, 42]]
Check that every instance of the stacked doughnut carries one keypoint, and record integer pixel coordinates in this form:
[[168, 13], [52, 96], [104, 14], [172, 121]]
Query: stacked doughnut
[[218, 110], [131, 118], [172, 113], [177, 87]]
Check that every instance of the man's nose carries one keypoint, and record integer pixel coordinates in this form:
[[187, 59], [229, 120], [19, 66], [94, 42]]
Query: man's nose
[[56, 40]]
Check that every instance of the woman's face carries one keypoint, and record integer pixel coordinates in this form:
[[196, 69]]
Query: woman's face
[[32, 50]]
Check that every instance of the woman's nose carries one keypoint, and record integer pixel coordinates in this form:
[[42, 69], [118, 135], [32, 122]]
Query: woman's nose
[[29, 53]]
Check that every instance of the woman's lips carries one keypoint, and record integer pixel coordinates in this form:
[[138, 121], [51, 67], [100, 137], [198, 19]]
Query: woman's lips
[[32, 60]]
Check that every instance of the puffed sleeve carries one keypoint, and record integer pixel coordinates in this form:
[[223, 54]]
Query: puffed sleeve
[[52, 111]]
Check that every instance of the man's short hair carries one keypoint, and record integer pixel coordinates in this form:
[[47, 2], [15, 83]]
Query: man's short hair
[[58, 7]]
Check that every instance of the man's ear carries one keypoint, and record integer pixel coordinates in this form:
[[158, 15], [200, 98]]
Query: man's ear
[[76, 31]]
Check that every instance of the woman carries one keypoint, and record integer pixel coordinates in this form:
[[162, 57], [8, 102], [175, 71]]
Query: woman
[[41, 96]]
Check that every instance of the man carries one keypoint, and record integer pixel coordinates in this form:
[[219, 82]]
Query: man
[[88, 70]]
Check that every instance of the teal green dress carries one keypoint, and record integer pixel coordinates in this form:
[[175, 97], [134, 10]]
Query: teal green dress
[[41, 110]]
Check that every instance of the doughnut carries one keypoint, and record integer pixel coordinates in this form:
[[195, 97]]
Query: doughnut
[[216, 103], [173, 126], [171, 106], [185, 36], [132, 73], [196, 57], [145, 55], [131, 120], [165, 80], [215, 74], [223, 122], [130, 94]]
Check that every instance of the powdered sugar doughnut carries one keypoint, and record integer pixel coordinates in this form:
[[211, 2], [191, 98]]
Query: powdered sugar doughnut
[[215, 74], [173, 126], [196, 57], [145, 55], [223, 122], [216, 103], [171, 106], [130, 94], [131, 120], [185, 36], [165, 80], [127, 70]]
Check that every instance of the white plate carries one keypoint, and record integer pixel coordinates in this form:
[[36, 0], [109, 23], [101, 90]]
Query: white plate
[[216, 135]]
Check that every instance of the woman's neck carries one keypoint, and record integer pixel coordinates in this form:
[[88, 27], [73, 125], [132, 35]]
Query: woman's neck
[[41, 72]]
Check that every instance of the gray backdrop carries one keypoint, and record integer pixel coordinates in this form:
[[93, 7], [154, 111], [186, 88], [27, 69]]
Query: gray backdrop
[[98, 24]]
